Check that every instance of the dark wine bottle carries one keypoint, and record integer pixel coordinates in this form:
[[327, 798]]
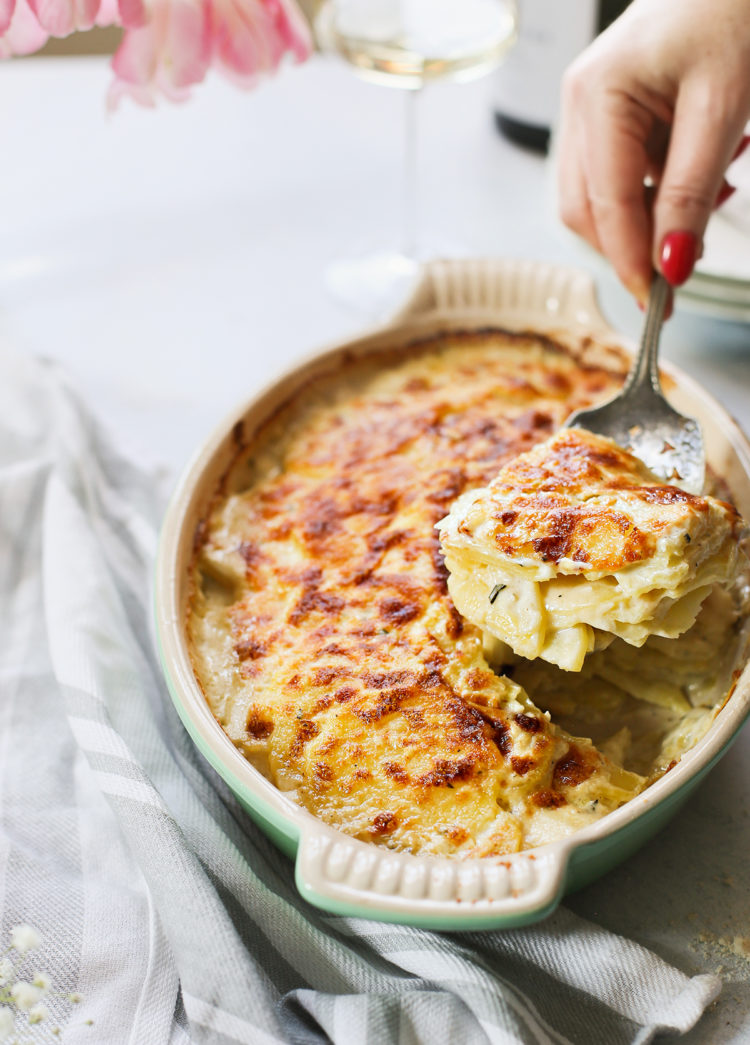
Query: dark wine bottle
[[527, 85]]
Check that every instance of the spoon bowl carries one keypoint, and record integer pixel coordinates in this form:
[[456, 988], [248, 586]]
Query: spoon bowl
[[641, 420]]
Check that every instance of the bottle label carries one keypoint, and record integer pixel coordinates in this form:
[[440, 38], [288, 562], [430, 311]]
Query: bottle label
[[550, 35]]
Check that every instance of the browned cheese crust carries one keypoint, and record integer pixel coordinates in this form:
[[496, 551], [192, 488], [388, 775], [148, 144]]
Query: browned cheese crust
[[545, 506], [349, 678]]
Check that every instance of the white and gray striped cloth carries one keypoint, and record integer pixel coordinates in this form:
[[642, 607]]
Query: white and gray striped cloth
[[156, 897]]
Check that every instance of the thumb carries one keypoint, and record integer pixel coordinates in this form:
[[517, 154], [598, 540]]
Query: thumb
[[702, 140]]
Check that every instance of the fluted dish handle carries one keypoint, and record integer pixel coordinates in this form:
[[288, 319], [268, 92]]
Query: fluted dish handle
[[349, 877], [515, 289]]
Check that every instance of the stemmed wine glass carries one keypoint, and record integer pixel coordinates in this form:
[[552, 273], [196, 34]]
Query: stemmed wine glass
[[407, 44]]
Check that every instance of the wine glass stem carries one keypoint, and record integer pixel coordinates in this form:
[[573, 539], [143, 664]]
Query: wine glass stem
[[410, 216]]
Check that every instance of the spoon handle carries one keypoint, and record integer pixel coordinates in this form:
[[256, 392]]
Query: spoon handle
[[645, 369]]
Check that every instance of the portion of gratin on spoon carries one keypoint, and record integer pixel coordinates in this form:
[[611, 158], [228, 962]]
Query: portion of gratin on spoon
[[577, 542]]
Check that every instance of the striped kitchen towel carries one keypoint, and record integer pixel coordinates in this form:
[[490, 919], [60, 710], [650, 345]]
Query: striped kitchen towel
[[155, 897]]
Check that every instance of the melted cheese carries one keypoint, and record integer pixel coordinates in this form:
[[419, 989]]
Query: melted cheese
[[576, 542], [321, 627]]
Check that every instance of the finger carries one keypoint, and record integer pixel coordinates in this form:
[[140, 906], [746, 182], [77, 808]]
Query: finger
[[701, 147], [572, 191], [617, 162]]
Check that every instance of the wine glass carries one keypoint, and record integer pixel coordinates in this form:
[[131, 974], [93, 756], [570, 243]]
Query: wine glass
[[406, 44]]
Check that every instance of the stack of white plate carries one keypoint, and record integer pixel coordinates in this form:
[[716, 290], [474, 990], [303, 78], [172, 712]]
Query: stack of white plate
[[720, 285]]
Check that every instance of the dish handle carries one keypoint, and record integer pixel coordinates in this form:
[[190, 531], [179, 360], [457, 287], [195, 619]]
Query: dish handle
[[348, 877], [515, 288]]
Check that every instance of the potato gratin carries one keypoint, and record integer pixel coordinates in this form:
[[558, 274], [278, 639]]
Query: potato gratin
[[576, 542], [331, 652]]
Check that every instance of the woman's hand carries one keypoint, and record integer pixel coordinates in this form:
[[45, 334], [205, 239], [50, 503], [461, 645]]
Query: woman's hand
[[660, 99]]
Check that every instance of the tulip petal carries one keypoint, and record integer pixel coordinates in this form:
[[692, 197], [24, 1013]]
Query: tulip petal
[[292, 27], [24, 34], [166, 56], [134, 65], [186, 44], [250, 37], [85, 13], [63, 17], [7, 7], [133, 13], [238, 40], [108, 14]]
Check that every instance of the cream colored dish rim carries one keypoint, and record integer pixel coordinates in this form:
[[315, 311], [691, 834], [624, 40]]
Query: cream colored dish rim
[[342, 872]]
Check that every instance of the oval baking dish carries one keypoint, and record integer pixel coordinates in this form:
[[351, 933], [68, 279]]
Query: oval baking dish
[[333, 870]]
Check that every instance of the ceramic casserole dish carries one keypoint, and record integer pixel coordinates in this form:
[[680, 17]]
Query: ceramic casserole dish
[[342, 874]]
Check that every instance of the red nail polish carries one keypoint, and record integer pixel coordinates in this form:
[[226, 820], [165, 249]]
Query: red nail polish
[[679, 251], [744, 142], [725, 192]]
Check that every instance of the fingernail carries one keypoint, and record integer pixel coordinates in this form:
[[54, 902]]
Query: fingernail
[[679, 251], [744, 142], [725, 192]]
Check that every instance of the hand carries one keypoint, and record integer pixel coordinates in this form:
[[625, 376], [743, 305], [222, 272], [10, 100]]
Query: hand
[[661, 98]]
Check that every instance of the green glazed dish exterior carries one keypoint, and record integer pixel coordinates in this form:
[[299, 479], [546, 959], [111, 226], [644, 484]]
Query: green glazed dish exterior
[[341, 874], [587, 862]]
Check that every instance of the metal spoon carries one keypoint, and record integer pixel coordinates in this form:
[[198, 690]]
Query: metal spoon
[[641, 420]]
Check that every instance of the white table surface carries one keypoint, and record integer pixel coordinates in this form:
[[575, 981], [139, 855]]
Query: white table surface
[[172, 260]]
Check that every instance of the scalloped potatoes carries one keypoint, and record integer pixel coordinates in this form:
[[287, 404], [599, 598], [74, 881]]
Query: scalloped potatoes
[[327, 644]]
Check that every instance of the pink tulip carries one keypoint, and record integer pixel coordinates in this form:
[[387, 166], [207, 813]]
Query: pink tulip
[[168, 45], [181, 38]]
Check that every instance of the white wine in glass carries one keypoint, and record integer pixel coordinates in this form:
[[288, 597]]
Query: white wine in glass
[[408, 44]]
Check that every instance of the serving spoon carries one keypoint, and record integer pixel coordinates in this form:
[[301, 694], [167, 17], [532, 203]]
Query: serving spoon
[[641, 420]]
